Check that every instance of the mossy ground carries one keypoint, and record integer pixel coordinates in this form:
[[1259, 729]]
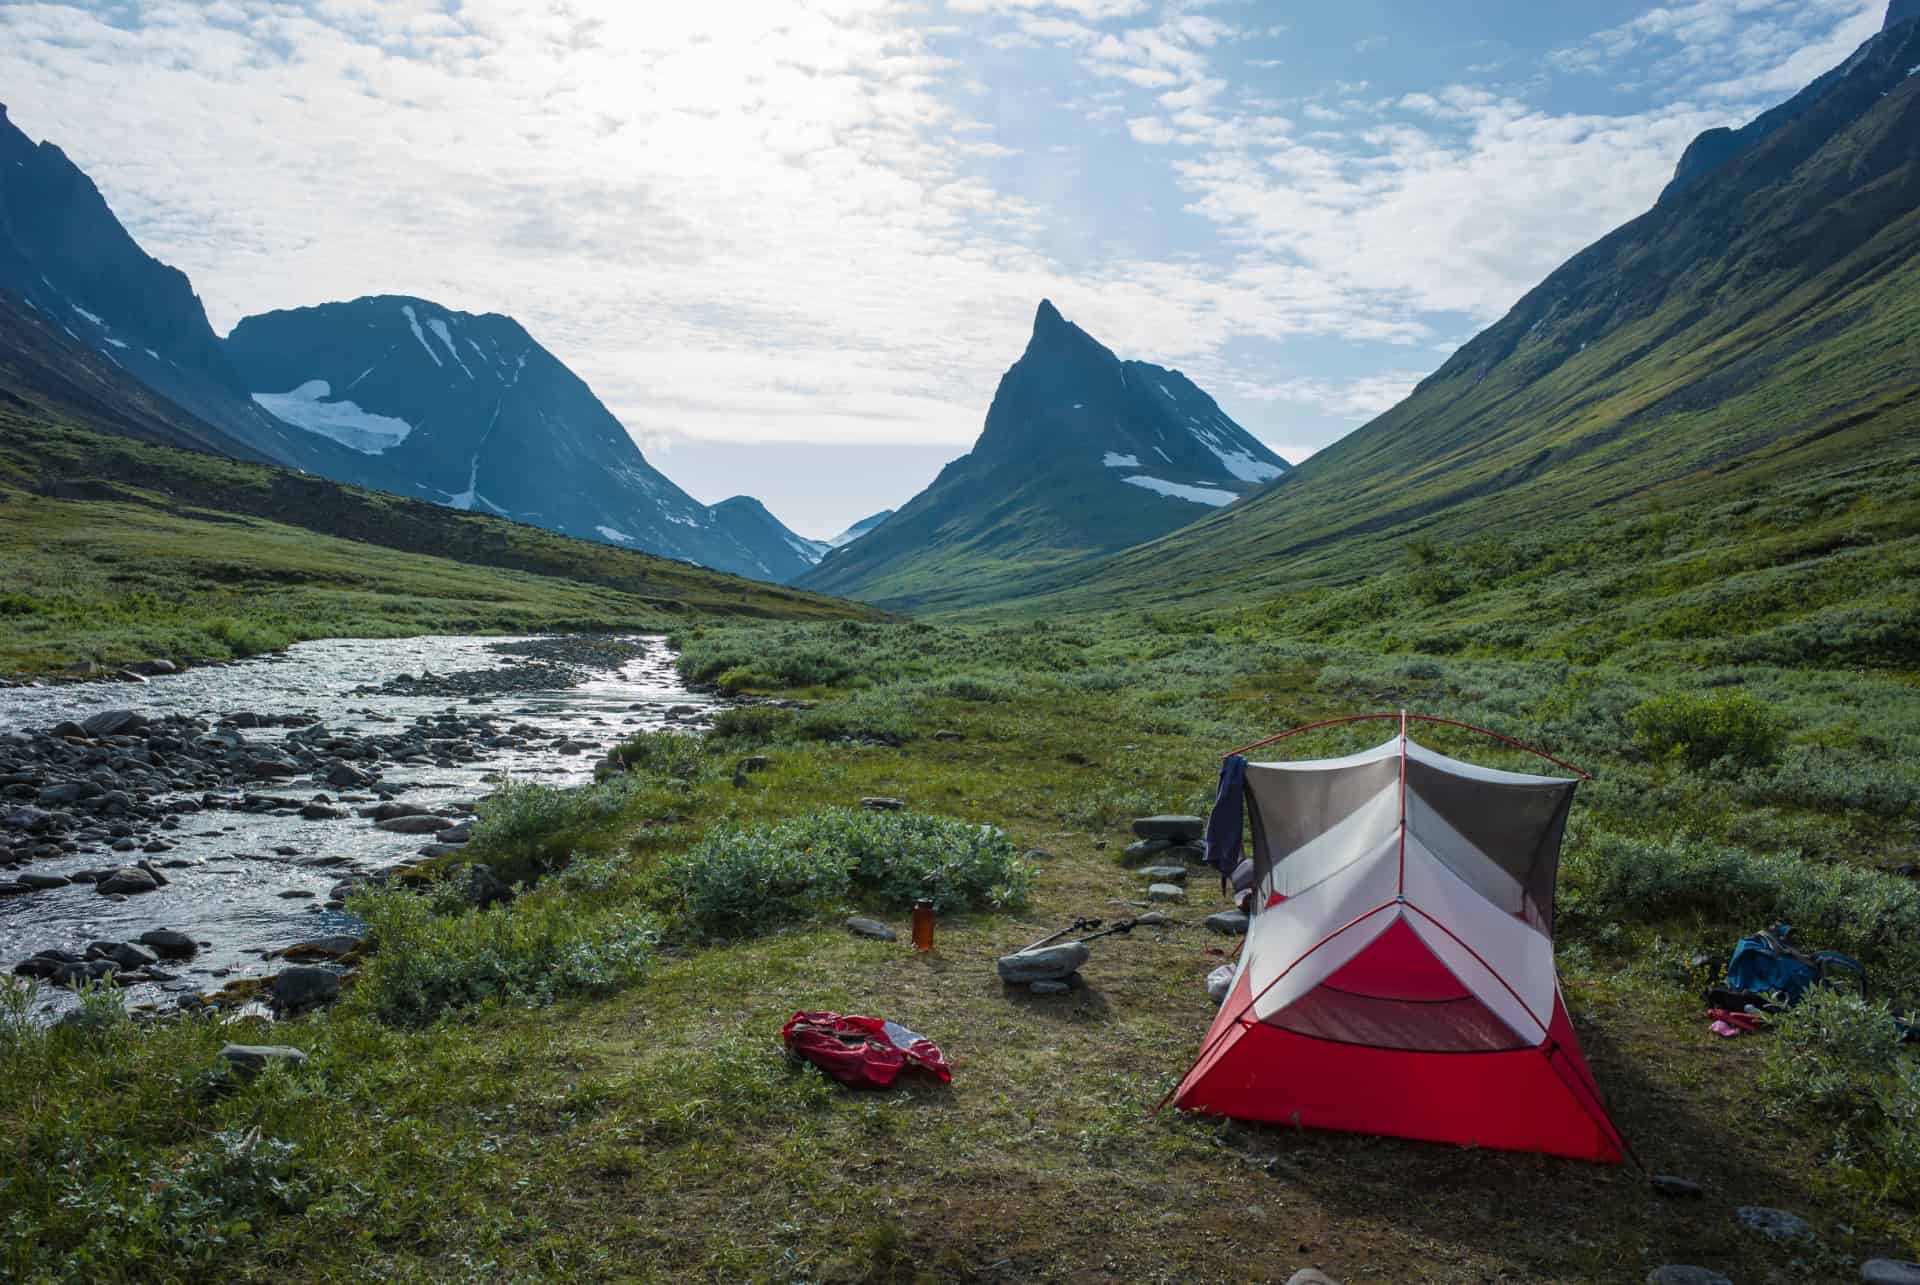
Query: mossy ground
[[651, 1130]]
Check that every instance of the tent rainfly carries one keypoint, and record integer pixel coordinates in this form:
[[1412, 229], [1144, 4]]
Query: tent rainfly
[[1397, 976]]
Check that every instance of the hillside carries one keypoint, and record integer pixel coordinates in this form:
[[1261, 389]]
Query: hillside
[[1082, 454], [1761, 323], [113, 550]]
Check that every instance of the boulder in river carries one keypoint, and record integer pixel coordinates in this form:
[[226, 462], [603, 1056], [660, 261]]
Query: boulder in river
[[168, 944], [113, 722], [414, 824], [125, 880]]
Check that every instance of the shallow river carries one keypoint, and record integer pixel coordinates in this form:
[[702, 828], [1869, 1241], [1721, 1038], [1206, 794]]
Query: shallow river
[[228, 887]]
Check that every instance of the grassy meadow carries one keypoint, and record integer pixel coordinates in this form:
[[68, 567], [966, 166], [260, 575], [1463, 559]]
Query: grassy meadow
[[588, 1084]]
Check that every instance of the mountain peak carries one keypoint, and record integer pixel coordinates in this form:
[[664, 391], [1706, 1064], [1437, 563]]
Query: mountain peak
[[1898, 11]]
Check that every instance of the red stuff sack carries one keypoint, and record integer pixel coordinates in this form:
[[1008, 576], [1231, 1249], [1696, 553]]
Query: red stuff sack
[[861, 1052]]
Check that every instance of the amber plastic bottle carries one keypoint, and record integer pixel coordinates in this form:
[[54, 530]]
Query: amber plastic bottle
[[923, 925]]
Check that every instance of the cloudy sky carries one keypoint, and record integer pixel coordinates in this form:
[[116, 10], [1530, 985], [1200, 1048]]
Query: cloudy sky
[[794, 245]]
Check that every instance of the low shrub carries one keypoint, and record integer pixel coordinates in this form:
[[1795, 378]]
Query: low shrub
[[1701, 730], [741, 878], [526, 830], [1835, 1059], [427, 962], [754, 724], [668, 755]]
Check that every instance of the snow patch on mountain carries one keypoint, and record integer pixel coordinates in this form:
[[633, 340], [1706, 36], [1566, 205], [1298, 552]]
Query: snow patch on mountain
[[420, 334], [306, 407], [439, 327], [1115, 459], [614, 534], [1180, 491]]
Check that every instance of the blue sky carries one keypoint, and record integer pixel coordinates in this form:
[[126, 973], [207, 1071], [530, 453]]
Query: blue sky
[[793, 246]]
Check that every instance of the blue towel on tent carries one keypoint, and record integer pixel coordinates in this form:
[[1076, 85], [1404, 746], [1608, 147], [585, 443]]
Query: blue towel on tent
[[1227, 820]]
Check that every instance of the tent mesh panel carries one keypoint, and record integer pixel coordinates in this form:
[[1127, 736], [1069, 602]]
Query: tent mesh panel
[[1463, 1025]]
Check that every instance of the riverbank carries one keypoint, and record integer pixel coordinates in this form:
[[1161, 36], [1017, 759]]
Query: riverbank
[[243, 804], [587, 1085]]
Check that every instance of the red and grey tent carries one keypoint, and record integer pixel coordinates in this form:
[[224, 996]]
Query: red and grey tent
[[1397, 976]]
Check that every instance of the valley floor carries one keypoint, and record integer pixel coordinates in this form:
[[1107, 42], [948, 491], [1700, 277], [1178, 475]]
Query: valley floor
[[589, 1085]]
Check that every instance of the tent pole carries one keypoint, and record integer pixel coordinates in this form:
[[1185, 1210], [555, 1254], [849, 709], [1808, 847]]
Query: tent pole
[[1403, 716]]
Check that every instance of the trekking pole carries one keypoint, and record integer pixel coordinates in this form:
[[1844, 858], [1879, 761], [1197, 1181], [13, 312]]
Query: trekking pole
[[1077, 926]]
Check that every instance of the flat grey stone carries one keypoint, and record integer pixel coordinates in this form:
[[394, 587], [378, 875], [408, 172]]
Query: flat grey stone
[[873, 928], [1681, 1274], [1174, 829], [169, 944], [1774, 1224], [883, 804], [1890, 1271], [414, 825], [250, 1059], [125, 880], [1144, 848], [1166, 892], [1050, 988], [43, 882], [1227, 922], [1047, 964], [1156, 919], [1163, 874], [1311, 1276], [303, 986]]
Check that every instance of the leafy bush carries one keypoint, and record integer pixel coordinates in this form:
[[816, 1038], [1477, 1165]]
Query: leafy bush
[[678, 756], [754, 724], [526, 830], [1703, 729], [740, 878], [1610, 878], [1836, 1059], [189, 1212], [426, 963]]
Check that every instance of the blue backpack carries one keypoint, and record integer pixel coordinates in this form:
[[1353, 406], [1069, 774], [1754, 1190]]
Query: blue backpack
[[1767, 962]]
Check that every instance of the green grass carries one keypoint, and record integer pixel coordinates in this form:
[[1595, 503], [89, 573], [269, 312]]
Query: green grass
[[587, 1083], [113, 551]]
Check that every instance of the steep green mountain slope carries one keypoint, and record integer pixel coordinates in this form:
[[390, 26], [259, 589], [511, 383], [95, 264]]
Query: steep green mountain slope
[[1758, 326], [1082, 454], [113, 550]]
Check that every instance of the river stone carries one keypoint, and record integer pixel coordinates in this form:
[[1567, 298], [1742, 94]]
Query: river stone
[[1673, 1185], [1889, 1271], [1311, 1276], [112, 722], [1049, 963], [389, 811], [1681, 1274], [415, 825], [320, 812], [873, 928], [153, 668], [1227, 922], [1050, 988], [248, 1060], [1166, 892], [331, 947], [303, 986], [482, 887], [883, 804], [130, 956], [168, 944], [455, 833], [1141, 849], [127, 879], [1163, 874], [1156, 919], [1174, 829], [1774, 1224], [43, 882]]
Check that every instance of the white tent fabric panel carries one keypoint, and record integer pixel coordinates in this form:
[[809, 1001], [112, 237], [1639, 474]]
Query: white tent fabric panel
[[1471, 771], [1480, 871], [1508, 950], [1387, 750], [1362, 830], [1279, 941]]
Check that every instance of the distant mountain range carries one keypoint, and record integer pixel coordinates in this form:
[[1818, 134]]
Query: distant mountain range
[[858, 529], [1082, 454], [396, 393], [1762, 319]]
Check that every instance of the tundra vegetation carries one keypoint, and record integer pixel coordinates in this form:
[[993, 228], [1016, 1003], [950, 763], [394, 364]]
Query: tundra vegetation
[[586, 1082]]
